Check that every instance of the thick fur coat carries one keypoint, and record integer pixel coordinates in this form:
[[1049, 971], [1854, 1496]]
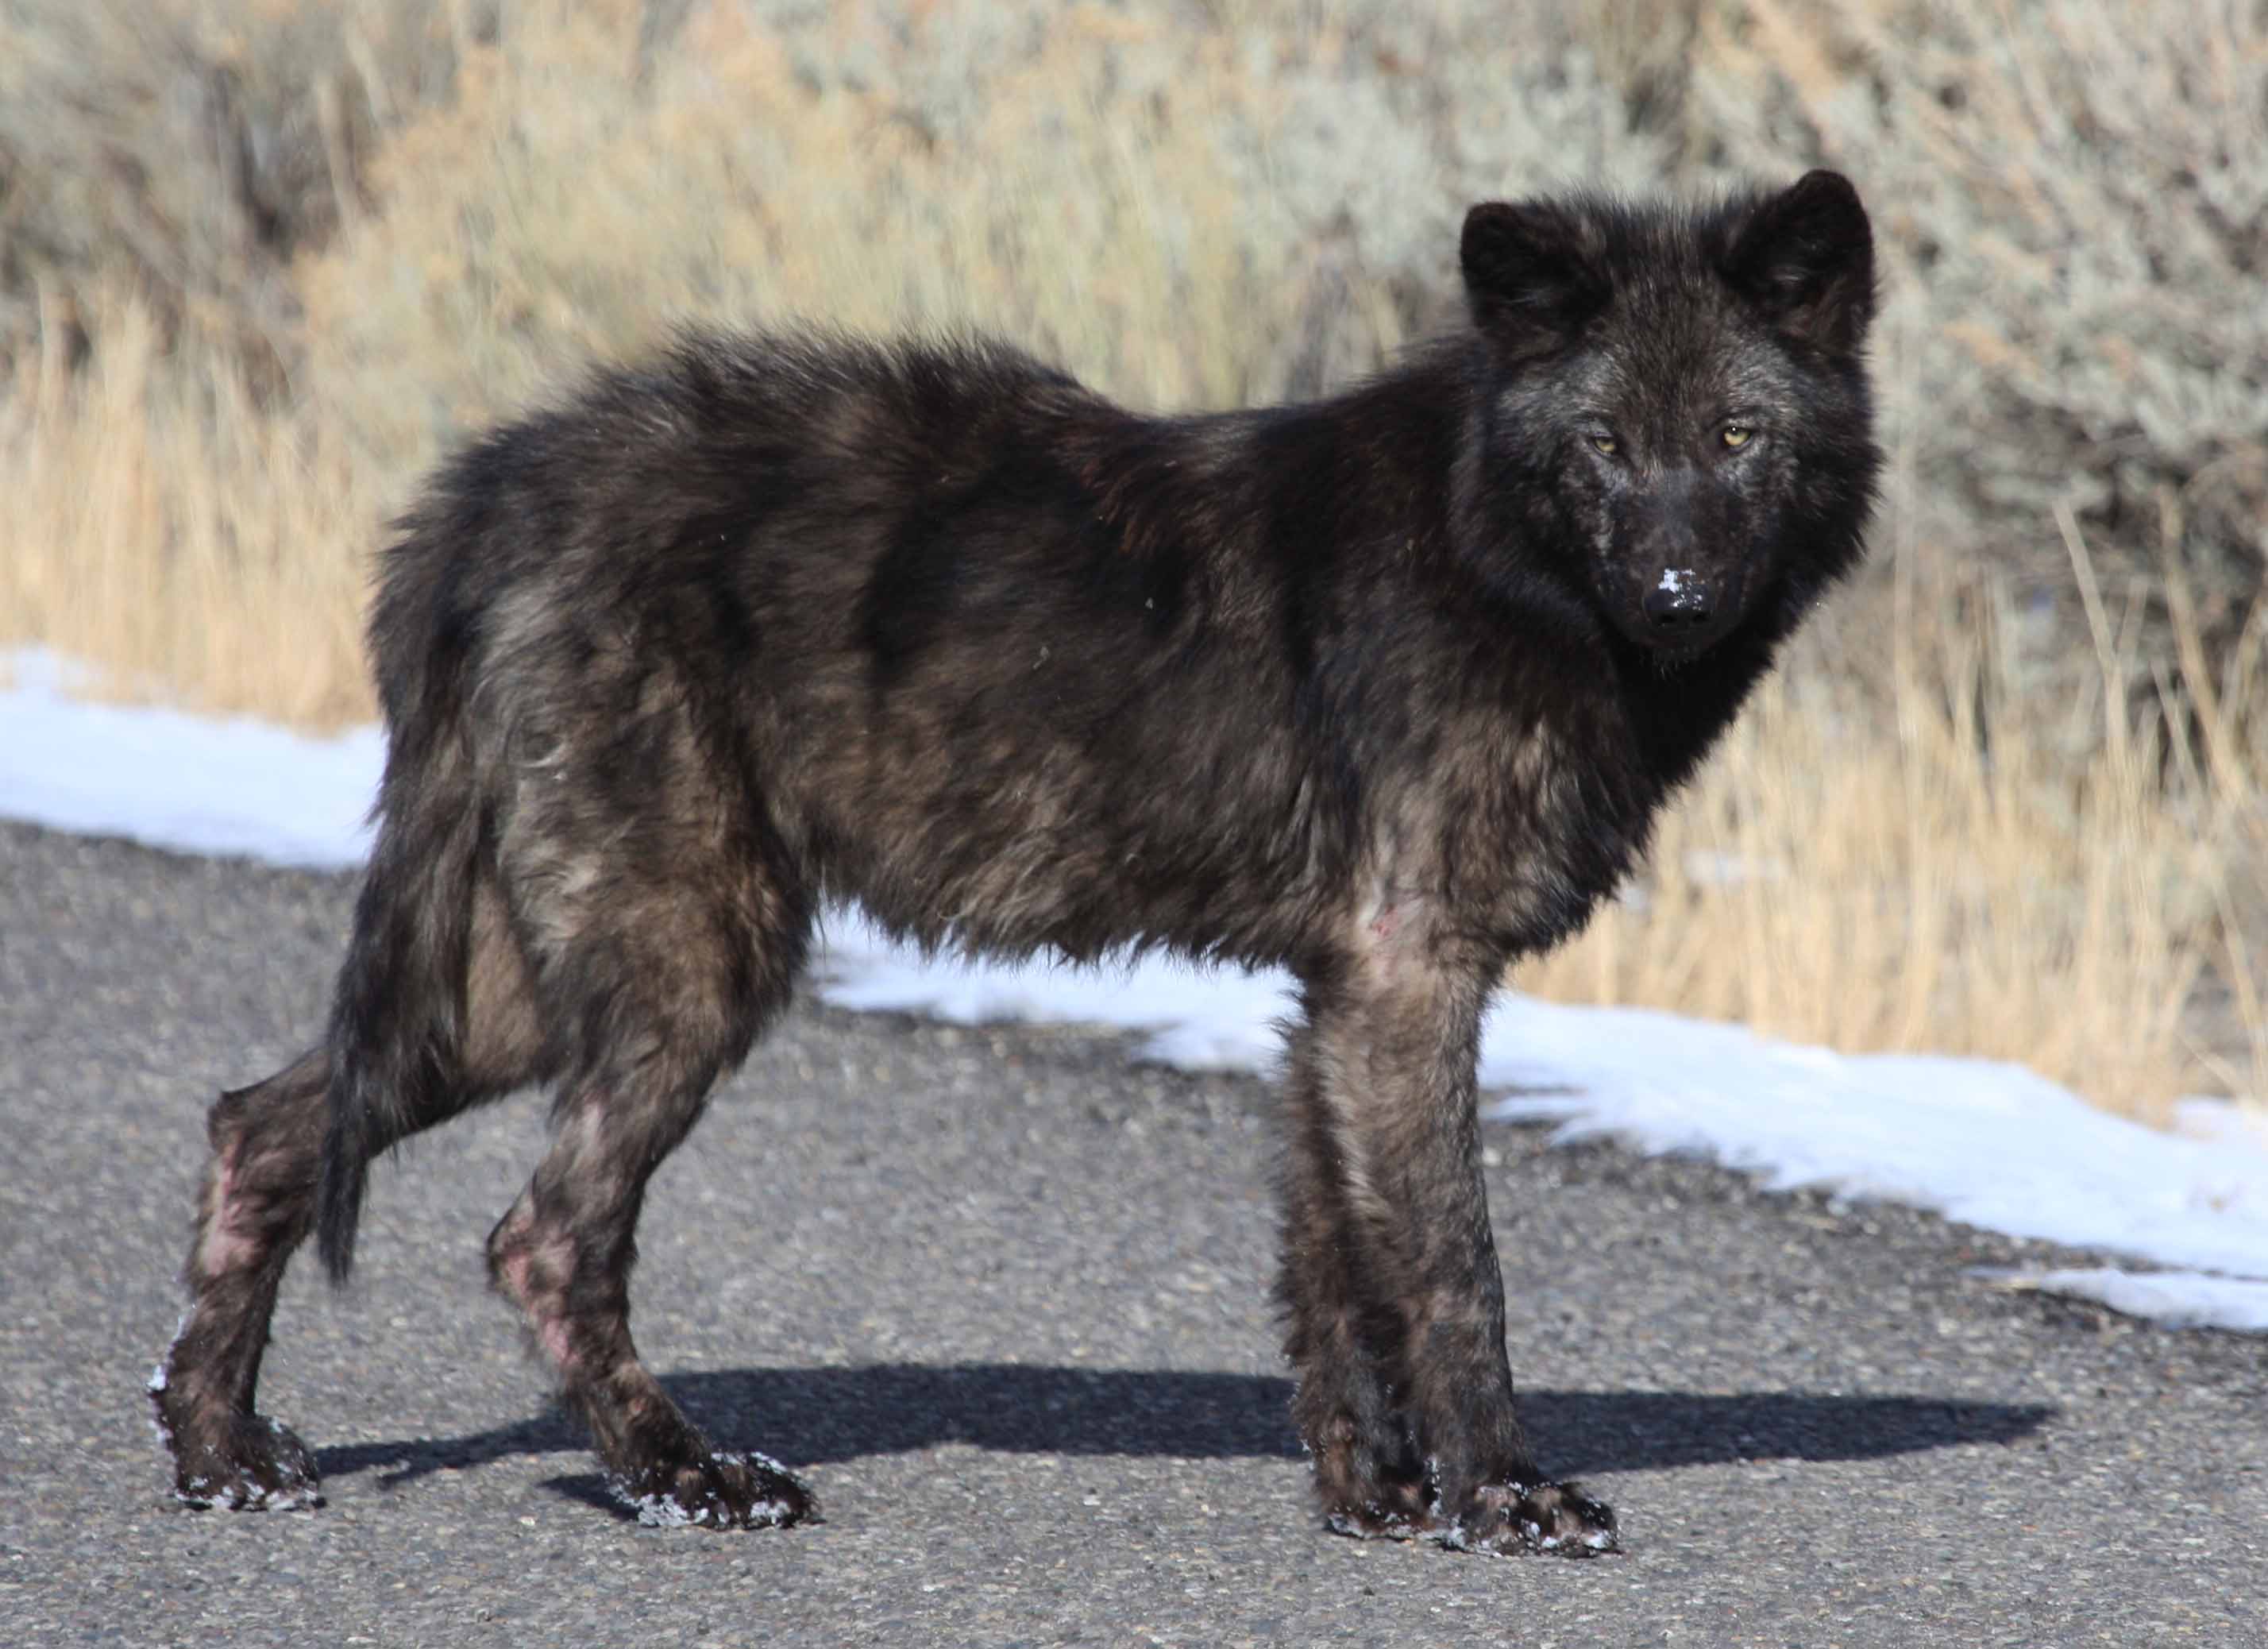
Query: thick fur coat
[[1386, 689]]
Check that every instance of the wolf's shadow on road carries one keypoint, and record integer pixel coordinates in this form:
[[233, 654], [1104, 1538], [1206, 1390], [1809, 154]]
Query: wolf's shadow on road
[[815, 1416]]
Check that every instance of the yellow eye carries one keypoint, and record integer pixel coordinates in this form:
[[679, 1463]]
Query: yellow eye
[[1737, 434], [1607, 444]]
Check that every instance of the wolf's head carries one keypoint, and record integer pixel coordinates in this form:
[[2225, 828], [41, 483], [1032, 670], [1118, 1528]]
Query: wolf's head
[[1674, 424]]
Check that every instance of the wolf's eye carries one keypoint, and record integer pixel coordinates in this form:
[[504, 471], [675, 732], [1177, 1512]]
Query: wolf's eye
[[1737, 434], [1607, 444]]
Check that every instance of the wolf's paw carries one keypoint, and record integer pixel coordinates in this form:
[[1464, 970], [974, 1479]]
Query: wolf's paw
[[1374, 1521], [1556, 1517], [718, 1491], [1388, 1510], [245, 1463]]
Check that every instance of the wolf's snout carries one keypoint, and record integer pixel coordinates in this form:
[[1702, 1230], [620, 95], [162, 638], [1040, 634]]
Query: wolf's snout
[[1680, 602]]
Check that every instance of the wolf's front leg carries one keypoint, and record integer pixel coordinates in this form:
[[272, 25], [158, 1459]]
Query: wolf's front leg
[[1390, 1279]]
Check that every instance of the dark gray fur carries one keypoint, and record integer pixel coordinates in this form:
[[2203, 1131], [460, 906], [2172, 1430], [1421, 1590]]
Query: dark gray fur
[[1385, 689]]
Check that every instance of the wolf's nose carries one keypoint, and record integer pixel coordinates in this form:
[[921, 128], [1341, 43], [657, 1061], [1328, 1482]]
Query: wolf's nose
[[1679, 601]]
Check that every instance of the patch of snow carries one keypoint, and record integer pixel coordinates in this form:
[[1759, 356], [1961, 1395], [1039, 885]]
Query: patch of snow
[[1195, 1019], [183, 782], [2179, 1299], [1990, 1144]]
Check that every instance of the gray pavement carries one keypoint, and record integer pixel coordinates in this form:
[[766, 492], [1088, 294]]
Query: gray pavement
[[1002, 1295]]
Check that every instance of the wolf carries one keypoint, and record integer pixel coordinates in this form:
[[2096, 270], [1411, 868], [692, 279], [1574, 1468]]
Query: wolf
[[1385, 689]]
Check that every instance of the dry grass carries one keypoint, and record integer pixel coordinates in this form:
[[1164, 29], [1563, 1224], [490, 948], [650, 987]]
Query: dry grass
[[1908, 844], [537, 224], [169, 531]]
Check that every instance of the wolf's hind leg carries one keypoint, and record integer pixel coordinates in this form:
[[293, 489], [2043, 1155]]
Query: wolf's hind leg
[[257, 1207], [669, 978]]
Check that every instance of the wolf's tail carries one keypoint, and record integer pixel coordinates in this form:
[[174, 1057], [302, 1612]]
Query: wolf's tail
[[397, 1022], [397, 1028]]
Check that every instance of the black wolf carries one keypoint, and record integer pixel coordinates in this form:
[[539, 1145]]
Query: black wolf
[[1385, 689]]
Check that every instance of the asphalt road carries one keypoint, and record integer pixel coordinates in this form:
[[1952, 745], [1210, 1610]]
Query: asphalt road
[[1001, 1296]]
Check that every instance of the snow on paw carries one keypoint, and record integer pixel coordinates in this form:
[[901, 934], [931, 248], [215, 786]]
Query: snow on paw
[[1372, 1521], [250, 1464], [718, 1491], [1388, 1511], [1555, 1518]]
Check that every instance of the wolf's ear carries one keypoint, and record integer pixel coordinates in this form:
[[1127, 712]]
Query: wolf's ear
[[1805, 257], [1532, 274]]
